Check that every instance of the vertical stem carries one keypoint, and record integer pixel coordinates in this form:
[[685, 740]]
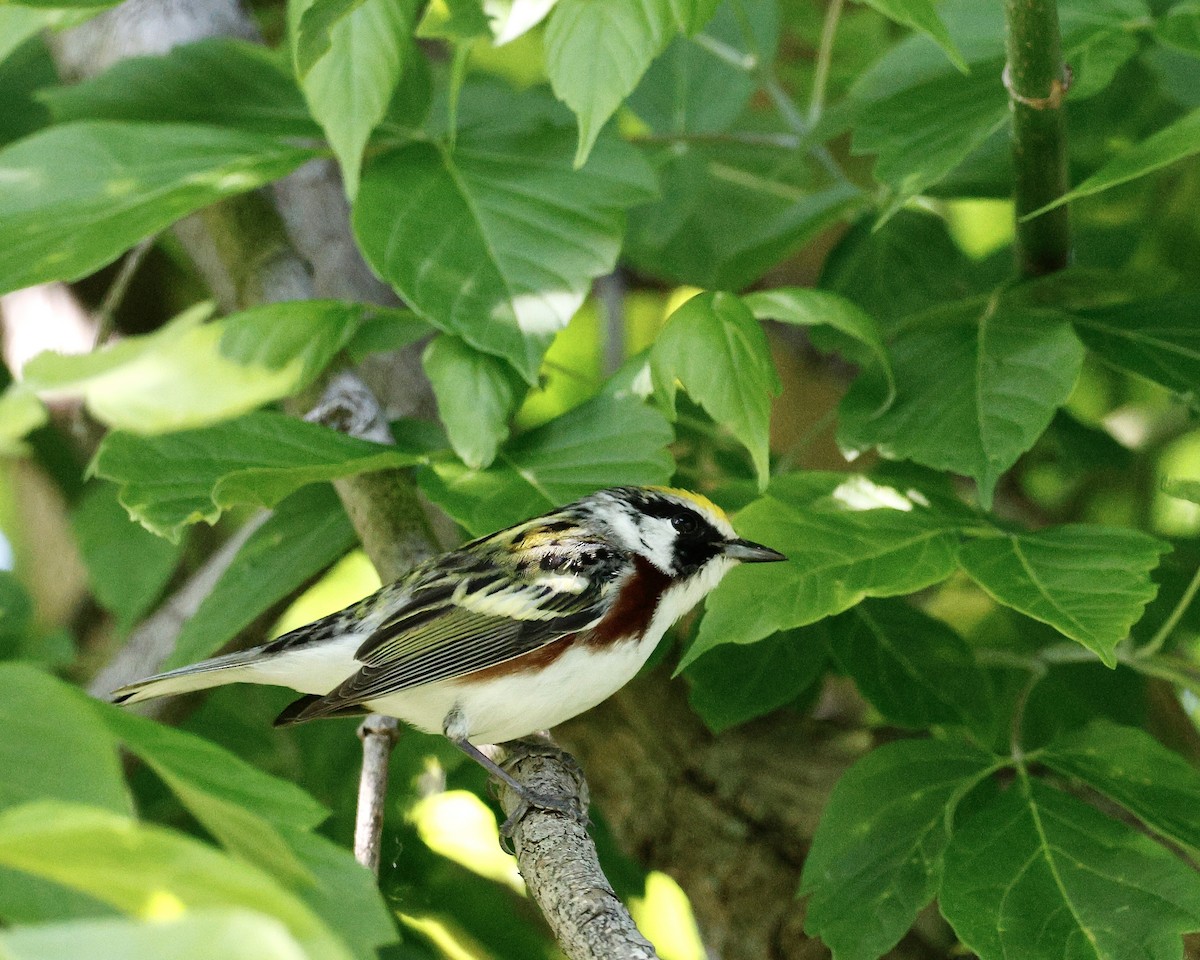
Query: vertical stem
[[1037, 82], [816, 105]]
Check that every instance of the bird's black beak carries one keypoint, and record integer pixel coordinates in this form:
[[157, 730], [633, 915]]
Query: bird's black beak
[[750, 552]]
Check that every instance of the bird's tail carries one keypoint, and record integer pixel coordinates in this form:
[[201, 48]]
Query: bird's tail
[[216, 672]]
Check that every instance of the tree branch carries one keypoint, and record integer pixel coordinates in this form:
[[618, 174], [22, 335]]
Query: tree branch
[[1037, 82]]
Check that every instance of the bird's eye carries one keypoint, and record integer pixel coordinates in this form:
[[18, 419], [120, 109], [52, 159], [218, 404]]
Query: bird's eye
[[685, 524]]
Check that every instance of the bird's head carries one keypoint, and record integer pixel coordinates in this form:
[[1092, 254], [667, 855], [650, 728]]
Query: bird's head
[[680, 532]]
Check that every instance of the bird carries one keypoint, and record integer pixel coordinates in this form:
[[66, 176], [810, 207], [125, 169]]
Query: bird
[[509, 634]]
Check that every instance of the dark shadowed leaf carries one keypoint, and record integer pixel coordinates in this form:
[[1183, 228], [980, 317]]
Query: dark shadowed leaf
[[1090, 583], [975, 388], [913, 669], [734, 683], [1034, 871], [875, 861]]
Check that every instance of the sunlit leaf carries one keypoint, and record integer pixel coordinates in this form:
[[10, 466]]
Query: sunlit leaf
[[133, 866], [172, 480], [476, 393], [349, 84], [78, 194], [497, 241], [597, 52], [199, 935], [714, 347], [845, 539], [53, 740], [602, 443]]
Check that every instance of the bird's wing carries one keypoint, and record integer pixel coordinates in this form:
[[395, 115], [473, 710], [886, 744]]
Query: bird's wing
[[457, 622]]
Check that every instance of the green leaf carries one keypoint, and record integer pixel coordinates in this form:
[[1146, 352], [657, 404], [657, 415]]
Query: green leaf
[[597, 52], [739, 682], [807, 308], [732, 211], [1177, 141], [975, 388], [131, 866], [53, 747], [921, 15], [21, 412], [303, 334], [922, 133], [306, 533], [230, 934], [18, 24], [16, 613], [908, 265], [315, 34], [1090, 583], [189, 373], [702, 84], [714, 347], [453, 20], [79, 194], [349, 87], [604, 442], [1179, 27], [498, 241], [1133, 769], [845, 538], [1182, 489], [345, 894], [219, 81], [476, 396], [875, 860], [127, 566], [238, 804], [1034, 872], [170, 481], [1157, 339], [913, 669]]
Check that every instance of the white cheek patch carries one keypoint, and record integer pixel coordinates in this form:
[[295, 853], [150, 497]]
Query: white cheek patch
[[658, 542]]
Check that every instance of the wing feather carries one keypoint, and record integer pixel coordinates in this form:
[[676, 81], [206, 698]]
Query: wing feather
[[458, 622]]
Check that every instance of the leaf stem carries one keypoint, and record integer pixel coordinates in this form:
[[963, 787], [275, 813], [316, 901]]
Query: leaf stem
[[1037, 672], [816, 104], [1164, 632], [1037, 80], [106, 316]]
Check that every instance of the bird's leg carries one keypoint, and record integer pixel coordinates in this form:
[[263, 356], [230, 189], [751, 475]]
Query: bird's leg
[[454, 729]]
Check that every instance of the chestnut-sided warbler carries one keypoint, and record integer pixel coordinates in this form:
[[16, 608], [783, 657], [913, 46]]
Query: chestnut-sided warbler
[[509, 634]]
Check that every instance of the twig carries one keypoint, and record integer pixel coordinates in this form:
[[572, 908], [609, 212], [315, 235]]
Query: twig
[[558, 859], [396, 535], [1037, 82], [816, 104], [107, 314], [1164, 632]]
